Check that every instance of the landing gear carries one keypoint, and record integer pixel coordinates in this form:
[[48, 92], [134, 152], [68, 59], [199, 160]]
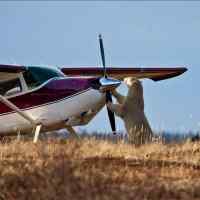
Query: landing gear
[[72, 131], [37, 132], [18, 135]]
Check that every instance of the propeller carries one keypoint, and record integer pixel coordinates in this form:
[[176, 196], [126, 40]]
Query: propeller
[[108, 93]]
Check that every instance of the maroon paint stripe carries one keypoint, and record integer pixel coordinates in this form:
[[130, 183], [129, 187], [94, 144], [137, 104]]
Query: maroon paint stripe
[[53, 91], [29, 108]]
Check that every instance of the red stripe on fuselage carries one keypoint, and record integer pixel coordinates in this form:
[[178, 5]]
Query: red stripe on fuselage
[[54, 90]]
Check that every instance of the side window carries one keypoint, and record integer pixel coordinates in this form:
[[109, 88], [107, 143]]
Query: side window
[[10, 87]]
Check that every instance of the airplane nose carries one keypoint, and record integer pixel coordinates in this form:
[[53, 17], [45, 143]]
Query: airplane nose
[[107, 84]]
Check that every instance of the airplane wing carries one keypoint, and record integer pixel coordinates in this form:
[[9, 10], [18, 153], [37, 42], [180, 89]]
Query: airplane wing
[[12, 68], [8, 72], [155, 74]]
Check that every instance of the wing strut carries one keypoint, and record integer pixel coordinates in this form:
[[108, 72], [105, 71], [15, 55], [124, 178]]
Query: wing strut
[[37, 126], [16, 109], [37, 132]]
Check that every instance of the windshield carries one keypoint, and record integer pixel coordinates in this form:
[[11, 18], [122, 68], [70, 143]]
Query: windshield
[[36, 76]]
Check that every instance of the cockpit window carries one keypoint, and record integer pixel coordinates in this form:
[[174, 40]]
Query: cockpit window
[[36, 76], [10, 87]]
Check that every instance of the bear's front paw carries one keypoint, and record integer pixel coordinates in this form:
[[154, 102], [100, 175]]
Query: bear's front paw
[[113, 92], [109, 104]]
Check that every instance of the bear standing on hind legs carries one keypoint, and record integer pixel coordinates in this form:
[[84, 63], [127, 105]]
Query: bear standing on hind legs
[[131, 110]]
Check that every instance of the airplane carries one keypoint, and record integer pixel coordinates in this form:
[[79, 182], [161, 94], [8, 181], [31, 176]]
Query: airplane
[[36, 99]]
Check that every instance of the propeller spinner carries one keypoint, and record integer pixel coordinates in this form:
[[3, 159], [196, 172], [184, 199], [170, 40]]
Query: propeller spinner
[[108, 93]]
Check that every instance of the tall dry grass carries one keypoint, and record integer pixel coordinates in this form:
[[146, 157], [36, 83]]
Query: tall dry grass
[[98, 169]]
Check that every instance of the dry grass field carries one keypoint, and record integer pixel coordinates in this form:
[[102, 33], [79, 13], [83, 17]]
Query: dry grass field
[[98, 169]]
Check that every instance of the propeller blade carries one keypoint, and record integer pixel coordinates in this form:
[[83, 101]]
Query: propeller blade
[[108, 93], [111, 114], [108, 96], [102, 54]]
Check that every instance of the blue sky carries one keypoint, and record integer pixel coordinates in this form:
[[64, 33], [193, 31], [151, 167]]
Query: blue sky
[[135, 34]]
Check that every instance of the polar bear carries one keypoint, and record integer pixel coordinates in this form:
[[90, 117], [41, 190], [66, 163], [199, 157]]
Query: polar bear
[[131, 110]]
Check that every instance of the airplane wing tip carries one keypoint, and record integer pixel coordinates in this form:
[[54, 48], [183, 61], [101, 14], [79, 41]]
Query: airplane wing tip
[[178, 72]]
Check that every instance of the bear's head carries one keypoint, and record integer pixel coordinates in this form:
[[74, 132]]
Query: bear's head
[[133, 83], [135, 91]]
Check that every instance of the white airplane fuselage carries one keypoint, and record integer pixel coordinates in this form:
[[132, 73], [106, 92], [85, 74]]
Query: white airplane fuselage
[[53, 115]]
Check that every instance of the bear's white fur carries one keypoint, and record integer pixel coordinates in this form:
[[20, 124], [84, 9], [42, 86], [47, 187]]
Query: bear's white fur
[[131, 110]]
